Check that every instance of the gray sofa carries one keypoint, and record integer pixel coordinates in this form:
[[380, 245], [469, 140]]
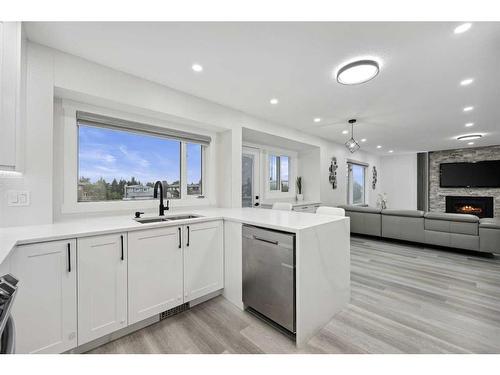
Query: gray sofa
[[434, 228]]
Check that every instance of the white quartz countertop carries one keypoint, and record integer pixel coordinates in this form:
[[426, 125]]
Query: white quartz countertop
[[294, 202], [280, 220]]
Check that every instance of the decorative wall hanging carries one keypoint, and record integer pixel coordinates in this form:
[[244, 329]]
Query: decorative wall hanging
[[374, 180], [332, 178]]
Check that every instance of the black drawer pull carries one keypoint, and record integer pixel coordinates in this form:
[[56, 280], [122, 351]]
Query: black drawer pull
[[121, 239], [187, 244], [180, 239], [69, 257]]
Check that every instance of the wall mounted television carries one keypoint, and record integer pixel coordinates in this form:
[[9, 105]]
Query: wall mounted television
[[482, 174]]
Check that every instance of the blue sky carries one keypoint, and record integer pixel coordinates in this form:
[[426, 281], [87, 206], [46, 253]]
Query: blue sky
[[117, 154]]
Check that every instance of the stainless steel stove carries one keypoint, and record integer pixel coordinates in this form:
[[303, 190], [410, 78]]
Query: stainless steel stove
[[8, 290]]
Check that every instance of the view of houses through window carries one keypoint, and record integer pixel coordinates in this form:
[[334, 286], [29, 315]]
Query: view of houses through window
[[279, 169], [122, 165]]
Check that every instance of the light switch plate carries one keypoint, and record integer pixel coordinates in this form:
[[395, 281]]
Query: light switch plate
[[18, 198]]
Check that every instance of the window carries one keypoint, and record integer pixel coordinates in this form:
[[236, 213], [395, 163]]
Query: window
[[194, 154], [118, 164], [279, 171], [356, 184]]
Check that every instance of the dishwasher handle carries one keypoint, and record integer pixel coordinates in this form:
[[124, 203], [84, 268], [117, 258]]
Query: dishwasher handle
[[267, 241]]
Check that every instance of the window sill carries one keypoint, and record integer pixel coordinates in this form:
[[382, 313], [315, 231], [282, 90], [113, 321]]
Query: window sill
[[116, 206]]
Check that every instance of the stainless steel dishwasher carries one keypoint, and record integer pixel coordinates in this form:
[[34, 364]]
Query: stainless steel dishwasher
[[269, 274]]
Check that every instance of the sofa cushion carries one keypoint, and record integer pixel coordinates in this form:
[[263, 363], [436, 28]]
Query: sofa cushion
[[492, 223], [452, 217], [449, 226], [366, 209], [404, 213], [407, 228]]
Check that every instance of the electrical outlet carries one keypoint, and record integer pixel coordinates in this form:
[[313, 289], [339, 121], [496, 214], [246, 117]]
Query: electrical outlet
[[18, 198]]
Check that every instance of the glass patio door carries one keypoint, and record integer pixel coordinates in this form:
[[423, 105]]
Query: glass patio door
[[250, 171]]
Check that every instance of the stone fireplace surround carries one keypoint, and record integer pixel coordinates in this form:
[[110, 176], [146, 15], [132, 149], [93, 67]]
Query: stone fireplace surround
[[437, 195]]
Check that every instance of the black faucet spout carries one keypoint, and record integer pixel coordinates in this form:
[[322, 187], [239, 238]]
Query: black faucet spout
[[159, 186]]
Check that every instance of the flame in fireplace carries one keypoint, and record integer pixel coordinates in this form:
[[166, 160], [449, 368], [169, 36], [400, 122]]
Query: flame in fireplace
[[467, 209]]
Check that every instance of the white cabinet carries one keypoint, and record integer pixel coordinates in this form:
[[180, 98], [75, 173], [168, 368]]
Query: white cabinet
[[171, 266], [203, 259], [155, 267], [45, 308], [102, 285], [11, 69]]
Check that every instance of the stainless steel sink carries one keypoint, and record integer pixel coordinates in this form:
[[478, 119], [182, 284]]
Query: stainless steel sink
[[151, 220], [157, 219], [182, 217]]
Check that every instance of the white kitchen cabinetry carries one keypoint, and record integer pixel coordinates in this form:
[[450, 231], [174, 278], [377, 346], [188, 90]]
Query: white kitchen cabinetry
[[154, 272], [102, 285], [45, 312], [203, 259], [11, 70], [170, 266]]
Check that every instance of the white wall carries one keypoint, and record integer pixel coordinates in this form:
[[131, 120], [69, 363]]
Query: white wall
[[309, 169], [339, 195], [398, 179], [51, 72]]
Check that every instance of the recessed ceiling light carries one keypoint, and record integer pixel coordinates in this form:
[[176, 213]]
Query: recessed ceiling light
[[469, 124], [391, 151], [363, 140], [273, 101], [462, 28], [357, 72], [317, 119], [466, 82], [470, 143], [379, 146], [197, 68], [345, 131], [468, 109], [469, 137]]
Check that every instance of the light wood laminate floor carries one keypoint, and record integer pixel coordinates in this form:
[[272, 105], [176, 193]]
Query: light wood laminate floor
[[405, 299]]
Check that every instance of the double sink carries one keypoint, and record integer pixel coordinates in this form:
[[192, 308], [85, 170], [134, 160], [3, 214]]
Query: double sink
[[158, 219]]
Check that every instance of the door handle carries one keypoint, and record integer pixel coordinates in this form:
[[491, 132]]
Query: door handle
[[69, 257], [180, 239], [121, 239], [187, 244]]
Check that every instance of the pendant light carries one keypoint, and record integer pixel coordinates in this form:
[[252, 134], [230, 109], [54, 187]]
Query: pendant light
[[351, 144]]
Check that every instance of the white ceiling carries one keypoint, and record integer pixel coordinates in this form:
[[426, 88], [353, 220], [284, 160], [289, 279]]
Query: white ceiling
[[414, 104]]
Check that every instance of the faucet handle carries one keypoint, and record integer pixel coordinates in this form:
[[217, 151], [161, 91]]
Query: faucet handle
[[138, 214], [168, 205]]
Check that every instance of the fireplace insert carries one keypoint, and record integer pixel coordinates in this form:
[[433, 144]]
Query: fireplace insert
[[479, 206]]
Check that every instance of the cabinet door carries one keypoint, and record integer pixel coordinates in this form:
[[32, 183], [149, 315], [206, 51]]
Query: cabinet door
[[10, 81], [203, 259], [102, 286], [45, 307], [154, 272]]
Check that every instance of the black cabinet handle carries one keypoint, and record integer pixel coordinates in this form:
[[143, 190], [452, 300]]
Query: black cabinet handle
[[69, 257], [187, 244], [180, 239], [121, 238]]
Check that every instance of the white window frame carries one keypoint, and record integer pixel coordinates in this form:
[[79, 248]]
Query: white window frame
[[292, 173], [350, 182], [70, 204]]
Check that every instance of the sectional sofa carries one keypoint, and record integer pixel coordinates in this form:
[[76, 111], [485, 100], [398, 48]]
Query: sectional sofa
[[433, 228]]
